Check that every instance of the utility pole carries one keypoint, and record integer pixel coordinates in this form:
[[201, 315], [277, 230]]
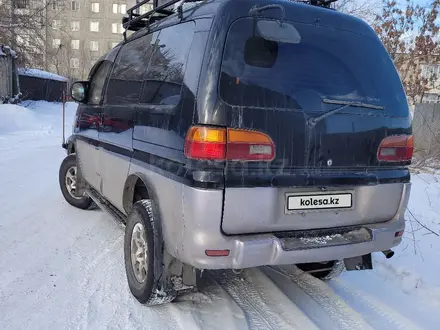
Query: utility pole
[[45, 38]]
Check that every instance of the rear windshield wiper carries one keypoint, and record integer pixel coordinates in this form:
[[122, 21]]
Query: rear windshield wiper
[[344, 104]]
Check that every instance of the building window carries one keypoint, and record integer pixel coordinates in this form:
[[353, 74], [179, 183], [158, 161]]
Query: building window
[[430, 71], [75, 5], [95, 7], [114, 44], [430, 98], [94, 26], [74, 25], [94, 46], [74, 63], [56, 43], [119, 8], [56, 24], [75, 44], [21, 4], [115, 27], [145, 8]]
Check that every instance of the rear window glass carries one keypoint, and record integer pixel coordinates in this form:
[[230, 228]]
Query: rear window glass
[[315, 64]]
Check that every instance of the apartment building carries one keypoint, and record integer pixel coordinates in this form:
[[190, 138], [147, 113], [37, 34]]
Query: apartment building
[[67, 37], [81, 31]]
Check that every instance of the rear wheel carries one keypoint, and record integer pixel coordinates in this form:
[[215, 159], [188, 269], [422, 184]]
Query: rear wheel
[[67, 179], [143, 251], [323, 270]]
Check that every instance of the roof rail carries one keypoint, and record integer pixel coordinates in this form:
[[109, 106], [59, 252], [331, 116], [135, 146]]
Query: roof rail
[[135, 21]]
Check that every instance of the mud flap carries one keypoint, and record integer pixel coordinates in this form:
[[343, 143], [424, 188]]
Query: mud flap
[[359, 263], [81, 183]]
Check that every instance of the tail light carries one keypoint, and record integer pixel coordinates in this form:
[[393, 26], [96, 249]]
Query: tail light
[[207, 143], [396, 148]]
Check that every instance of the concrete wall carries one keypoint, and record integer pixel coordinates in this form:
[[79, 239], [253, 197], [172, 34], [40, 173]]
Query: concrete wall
[[426, 128]]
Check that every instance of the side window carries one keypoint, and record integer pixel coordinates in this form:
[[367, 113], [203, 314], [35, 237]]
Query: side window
[[126, 78], [97, 81], [164, 77]]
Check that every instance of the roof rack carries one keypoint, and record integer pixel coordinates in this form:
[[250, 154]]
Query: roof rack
[[135, 21]]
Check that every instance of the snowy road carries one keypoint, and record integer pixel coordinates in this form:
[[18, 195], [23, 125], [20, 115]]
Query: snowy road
[[62, 268]]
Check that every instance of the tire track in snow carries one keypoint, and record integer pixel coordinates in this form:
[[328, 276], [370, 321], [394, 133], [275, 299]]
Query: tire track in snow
[[263, 304], [98, 290], [336, 309], [392, 318], [212, 307]]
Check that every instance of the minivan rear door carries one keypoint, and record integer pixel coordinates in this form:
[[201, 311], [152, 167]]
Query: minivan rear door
[[327, 97]]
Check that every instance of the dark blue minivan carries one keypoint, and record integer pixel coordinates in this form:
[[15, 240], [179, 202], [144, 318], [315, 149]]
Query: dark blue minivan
[[228, 134]]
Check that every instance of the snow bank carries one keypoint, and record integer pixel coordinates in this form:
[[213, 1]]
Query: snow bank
[[16, 118], [38, 116], [416, 264], [40, 74]]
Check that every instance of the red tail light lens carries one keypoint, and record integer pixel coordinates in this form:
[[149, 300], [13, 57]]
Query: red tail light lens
[[396, 148], [206, 143]]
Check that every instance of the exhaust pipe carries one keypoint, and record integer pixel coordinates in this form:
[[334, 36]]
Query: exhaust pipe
[[388, 253]]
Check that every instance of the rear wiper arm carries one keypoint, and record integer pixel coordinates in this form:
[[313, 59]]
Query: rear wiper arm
[[344, 104]]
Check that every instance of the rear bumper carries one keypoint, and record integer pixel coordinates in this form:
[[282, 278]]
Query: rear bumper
[[201, 234]]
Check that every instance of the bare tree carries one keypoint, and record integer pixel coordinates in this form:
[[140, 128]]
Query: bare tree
[[410, 34], [61, 61], [22, 26], [25, 26], [365, 9]]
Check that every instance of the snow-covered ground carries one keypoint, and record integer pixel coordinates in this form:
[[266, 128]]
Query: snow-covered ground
[[62, 268]]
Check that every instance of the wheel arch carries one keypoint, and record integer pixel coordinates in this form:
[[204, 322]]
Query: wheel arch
[[71, 149], [133, 182]]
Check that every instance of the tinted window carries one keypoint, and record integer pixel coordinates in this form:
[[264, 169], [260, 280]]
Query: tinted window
[[164, 77], [126, 78], [97, 82], [319, 63]]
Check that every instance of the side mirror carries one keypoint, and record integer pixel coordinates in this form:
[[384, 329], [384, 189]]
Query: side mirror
[[78, 91]]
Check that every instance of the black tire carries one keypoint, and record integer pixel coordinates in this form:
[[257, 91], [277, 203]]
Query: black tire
[[156, 289], [82, 202], [337, 267]]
